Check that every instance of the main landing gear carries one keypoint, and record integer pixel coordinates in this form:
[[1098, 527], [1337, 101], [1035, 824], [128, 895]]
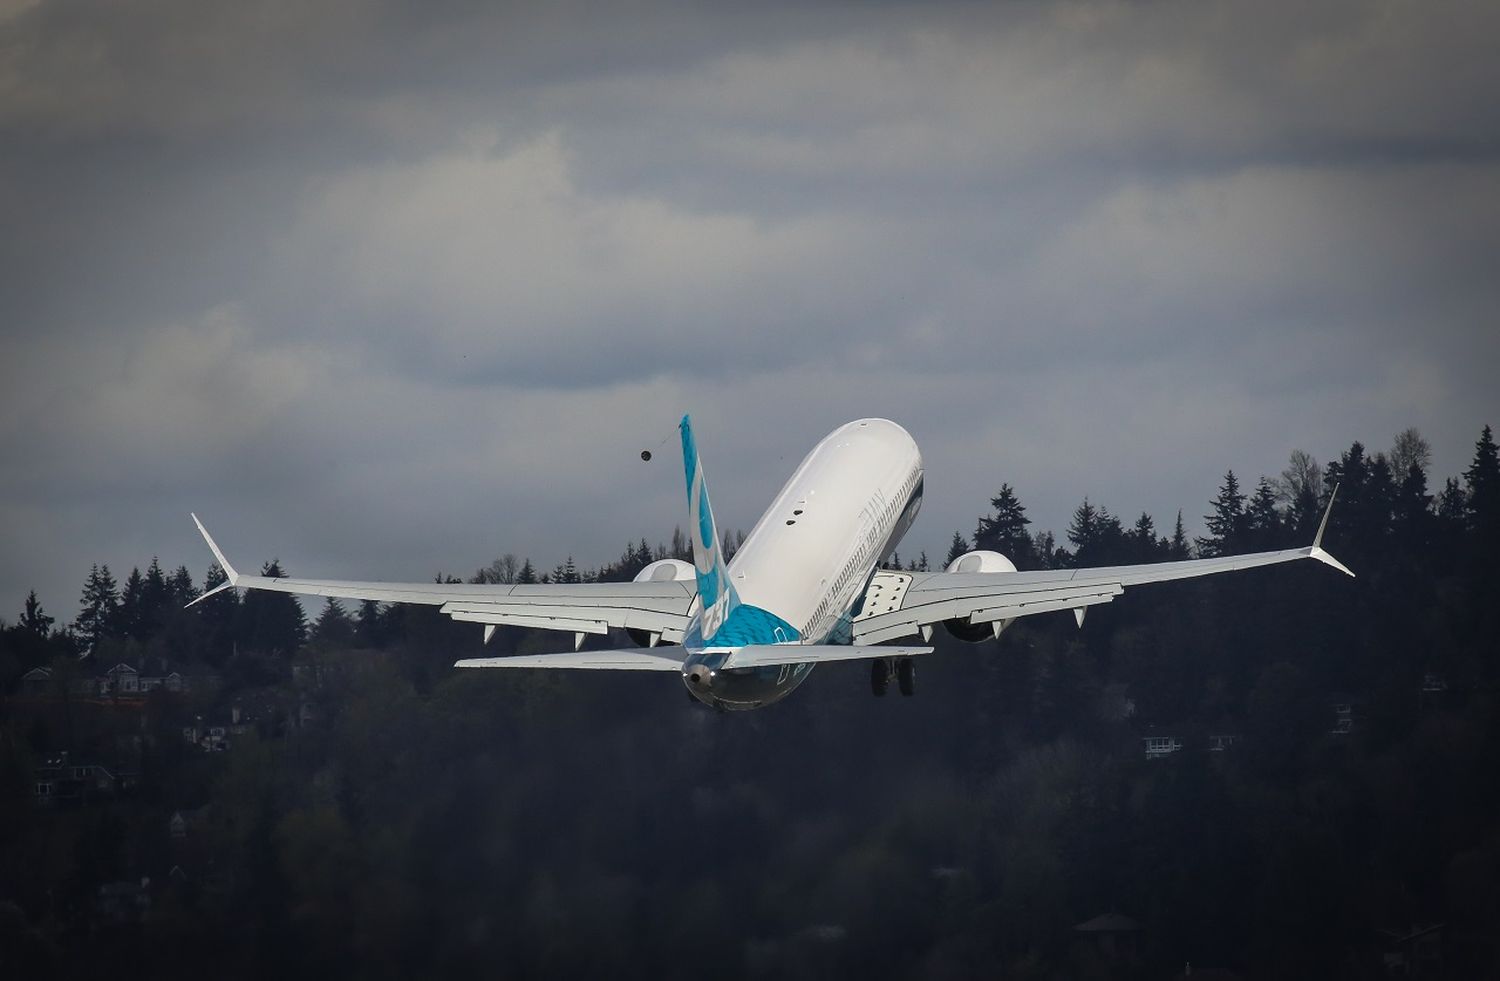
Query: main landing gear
[[904, 668]]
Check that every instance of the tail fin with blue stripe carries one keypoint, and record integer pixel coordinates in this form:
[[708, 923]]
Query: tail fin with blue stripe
[[715, 592]]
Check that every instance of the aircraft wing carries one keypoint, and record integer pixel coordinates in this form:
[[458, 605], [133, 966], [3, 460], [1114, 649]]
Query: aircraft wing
[[900, 604], [658, 608]]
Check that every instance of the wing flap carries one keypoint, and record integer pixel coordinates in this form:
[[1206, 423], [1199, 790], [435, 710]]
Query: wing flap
[[595, 620], [990, 602]]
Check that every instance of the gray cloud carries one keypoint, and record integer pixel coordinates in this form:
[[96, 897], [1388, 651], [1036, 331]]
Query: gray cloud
[[388, 289]]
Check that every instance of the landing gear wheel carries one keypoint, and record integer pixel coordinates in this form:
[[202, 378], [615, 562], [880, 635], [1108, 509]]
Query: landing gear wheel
[[906, 675], [880, 676]]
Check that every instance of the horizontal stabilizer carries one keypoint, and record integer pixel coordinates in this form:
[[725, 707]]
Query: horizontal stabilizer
[[632, 659], [769, 655]]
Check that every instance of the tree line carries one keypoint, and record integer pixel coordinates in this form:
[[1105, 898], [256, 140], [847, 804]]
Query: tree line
[[432, 821]]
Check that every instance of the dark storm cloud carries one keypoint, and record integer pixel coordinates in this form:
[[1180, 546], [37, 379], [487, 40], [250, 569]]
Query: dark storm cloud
[[369, 282]]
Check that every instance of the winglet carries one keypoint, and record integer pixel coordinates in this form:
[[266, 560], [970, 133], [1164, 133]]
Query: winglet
[[234, 577], [1323, 525], [212, 592], [1316, 552]]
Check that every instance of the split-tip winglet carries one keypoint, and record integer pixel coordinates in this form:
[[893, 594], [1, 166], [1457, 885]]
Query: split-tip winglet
[[1322, 525], [1316, 552], [219, 555]]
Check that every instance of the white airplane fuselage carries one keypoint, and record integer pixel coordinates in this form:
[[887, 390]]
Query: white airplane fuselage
[[810, 557]]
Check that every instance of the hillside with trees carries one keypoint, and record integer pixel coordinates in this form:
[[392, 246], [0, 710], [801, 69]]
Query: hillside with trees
[[1278, 773]]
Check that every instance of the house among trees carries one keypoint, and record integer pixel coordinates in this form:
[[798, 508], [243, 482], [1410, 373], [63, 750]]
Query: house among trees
[[37, 682], [62, 780], [183, 823], [123, 902], [209, 738], [1112, 936], [1159, 746], [125, 679], [1345, 710], [268, 709], [1434, 690], [1414, 953], [122, 679], [1220, 741]]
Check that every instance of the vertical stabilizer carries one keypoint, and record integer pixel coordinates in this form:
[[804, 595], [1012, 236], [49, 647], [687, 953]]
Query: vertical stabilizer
[[717, 597]]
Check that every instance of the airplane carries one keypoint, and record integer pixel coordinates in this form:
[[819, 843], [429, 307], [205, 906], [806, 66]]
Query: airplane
[[804, 588]]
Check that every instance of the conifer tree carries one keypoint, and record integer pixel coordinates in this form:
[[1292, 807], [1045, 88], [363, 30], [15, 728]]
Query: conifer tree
[[959, 546], [1044, 547], [1365, 495], [180, 589], [218, 614], [1178, 548], [1412, 518], [1112, 538], [1482, 484], [154, 600], [1452, 505], [566, 572], [1005, 532], [1262, 520], [132, 606], [333, 628], [1226, 526], [97, 612], [1097, 535], [272, 623], [34, 619], [527, 575], [1084, 527], [1143, 544], [370, 627], [1382, 494]]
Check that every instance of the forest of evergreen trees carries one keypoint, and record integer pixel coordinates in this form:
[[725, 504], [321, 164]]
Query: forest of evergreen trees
[[377, 814]]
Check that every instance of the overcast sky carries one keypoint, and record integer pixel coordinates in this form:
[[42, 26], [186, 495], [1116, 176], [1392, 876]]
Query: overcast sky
[[386, 289]]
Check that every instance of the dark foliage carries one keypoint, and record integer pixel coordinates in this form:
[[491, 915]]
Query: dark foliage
[[381, 815]]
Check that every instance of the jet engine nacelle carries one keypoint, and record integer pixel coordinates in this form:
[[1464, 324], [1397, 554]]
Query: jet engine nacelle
[[978, 560], [666, 570], [662, 570]]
